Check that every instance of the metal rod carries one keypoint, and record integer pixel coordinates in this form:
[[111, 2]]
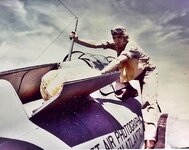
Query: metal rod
[[71, 49]]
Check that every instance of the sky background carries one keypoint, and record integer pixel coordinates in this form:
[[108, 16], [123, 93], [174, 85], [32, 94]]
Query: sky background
[[160, 27]]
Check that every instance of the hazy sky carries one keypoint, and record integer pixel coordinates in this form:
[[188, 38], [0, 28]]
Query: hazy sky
[[159, 26]]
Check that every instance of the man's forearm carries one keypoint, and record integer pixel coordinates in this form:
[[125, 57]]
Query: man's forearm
[[89, 43], [113, 65]]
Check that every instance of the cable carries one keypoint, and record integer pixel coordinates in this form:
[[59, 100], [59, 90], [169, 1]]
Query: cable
[[67, 8], [53, 41], [60, 32]]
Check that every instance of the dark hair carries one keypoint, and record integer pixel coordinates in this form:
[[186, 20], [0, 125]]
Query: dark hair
[[120, 30]]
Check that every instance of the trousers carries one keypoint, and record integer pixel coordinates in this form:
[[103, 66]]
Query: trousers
[[148, 80]]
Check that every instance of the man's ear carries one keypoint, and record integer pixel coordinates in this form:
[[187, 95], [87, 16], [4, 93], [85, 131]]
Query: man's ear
[[126, 39]]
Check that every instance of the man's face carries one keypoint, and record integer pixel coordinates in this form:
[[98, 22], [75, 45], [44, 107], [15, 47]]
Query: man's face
[[118, 40]]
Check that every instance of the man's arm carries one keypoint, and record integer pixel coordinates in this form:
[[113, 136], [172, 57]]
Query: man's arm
[[112, 66], [87, 43]]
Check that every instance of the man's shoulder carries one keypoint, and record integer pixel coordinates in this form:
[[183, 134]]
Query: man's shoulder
[[133, 47], [132, 44]]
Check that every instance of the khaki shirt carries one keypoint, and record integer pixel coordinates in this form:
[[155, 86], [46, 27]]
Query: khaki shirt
[[137, 60]]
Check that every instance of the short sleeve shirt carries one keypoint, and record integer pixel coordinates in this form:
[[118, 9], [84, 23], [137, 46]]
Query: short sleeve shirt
[[137, 60]]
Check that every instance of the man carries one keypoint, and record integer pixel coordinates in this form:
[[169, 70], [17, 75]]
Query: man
[[133, 63]]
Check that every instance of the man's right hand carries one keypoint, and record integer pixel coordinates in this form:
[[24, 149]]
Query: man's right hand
[[73, 35]]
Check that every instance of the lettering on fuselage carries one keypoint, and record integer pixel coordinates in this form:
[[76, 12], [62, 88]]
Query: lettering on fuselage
[[127, 137]]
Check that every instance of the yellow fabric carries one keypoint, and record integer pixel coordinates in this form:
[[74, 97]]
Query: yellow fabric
[[53, 81], [51, 84], [128, 70]]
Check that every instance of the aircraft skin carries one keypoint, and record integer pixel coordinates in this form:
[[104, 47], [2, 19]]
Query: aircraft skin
[[70, 121]]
